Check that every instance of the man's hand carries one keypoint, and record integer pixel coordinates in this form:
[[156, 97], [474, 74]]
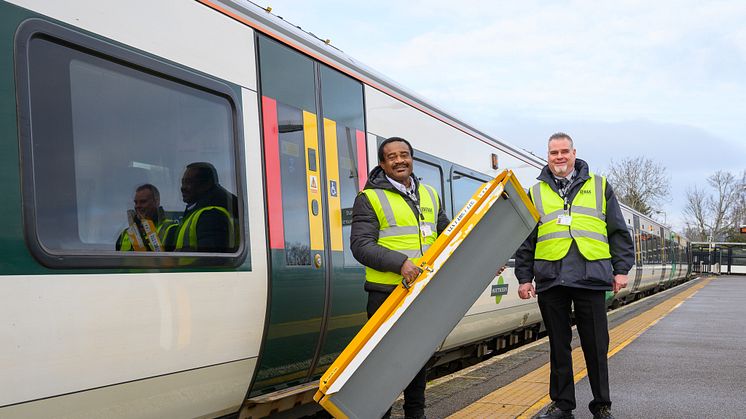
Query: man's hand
[[409, 271], [526, 291], [620, 281]]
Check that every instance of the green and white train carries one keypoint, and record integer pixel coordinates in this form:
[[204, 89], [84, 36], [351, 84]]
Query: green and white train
[[98, 97]]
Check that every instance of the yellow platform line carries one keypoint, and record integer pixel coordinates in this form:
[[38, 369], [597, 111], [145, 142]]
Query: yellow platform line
[[526, 396]]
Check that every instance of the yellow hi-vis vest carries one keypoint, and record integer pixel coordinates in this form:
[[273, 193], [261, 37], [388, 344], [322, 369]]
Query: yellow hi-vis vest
[[588, 225], [399, 228], [186, 238], [163, 229]]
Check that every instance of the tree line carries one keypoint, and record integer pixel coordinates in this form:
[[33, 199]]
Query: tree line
[[711, 213]]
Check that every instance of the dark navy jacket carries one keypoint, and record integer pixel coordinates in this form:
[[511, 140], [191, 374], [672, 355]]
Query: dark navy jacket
[[574, 270]]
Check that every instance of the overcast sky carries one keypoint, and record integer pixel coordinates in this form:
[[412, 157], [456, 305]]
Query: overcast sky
[[664, 79]]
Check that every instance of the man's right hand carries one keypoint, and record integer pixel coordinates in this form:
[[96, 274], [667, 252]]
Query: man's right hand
[[526, 291], [409, 271]]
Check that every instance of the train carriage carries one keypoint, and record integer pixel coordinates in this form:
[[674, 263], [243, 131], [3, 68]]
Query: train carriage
[[97, 98]]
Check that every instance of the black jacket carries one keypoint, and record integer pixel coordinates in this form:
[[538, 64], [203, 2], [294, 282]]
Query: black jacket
[[365, 229], [212, 226], [574, 270]]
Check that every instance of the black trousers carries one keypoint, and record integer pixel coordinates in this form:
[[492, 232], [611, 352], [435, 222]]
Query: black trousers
[[590, 318], [414, 393]]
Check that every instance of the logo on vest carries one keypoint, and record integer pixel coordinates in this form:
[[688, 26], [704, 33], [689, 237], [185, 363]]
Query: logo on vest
[[427, 209], [584, 191]]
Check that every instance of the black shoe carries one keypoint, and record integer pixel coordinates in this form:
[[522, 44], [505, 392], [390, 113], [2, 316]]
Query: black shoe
[[603, 412], [554, 412]]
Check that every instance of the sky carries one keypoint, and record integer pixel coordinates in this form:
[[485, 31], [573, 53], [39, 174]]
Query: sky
[[665, 80]]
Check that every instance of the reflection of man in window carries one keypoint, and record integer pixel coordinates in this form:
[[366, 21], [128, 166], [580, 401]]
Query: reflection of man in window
[[148, 207], [208, 224]]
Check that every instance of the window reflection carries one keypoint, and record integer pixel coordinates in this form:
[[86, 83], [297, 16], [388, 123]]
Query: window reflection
[[102, 129]]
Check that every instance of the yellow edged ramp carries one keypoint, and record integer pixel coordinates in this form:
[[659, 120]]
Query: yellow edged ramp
[[403, 334]]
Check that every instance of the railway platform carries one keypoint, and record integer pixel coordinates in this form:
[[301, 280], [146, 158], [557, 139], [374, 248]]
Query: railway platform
[[677, 354]]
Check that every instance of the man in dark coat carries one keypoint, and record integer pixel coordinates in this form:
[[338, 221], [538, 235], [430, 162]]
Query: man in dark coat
[[394, 174], [211, 207], [572, 279]]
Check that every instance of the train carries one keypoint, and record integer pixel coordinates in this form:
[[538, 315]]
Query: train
[[97, 98]]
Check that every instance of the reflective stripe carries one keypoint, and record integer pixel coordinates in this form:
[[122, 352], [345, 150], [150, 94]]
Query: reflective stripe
[[599, 184], [411, 254], [398, 231], [590, 234], [536, 195], [575, 234], [555, 235], [433, 199], [386, 207], [551, 216], [588, 211]]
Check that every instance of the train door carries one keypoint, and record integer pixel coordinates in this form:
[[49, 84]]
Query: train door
[[315, 163]]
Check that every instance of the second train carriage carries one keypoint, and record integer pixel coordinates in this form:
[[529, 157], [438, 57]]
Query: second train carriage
[[97, 98]]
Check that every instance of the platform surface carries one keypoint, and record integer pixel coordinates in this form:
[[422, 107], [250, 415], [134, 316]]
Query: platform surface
[[676, 354], [692, 363]]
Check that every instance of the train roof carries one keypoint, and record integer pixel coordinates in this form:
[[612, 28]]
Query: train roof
[[275, 26]]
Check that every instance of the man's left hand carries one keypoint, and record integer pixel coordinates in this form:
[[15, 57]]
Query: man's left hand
[[620, 281]]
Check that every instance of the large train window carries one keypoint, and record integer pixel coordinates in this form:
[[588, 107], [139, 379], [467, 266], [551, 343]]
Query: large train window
[[344, 138], [128, 161], [429, 174], [463, 186], [289, 104]]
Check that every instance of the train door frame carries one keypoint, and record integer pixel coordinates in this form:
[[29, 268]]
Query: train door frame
[[317, 187]]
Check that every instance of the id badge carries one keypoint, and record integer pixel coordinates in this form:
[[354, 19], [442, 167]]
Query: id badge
[[426, 230], [564, 220]]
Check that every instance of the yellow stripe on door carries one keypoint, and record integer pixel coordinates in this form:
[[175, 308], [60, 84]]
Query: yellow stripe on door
[[332, 174], [311, 139]]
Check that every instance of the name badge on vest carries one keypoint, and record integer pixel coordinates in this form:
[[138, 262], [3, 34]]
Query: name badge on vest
[[564, 220], [425, 230]]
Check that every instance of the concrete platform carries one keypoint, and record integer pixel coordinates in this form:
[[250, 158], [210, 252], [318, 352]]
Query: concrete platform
[[692, 363], [680, 353]]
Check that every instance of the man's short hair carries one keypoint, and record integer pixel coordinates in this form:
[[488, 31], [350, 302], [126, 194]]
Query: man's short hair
[[206, 172], [152, 188], [391, 140], [561, 136]]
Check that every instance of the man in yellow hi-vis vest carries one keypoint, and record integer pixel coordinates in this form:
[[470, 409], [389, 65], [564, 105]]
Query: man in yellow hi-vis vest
[[148, 206], [210, 219], [580, 249], [394, 221]]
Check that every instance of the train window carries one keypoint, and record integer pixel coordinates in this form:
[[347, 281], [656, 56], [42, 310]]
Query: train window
[[429, 174], [462, 187], [98, 123], [289, 100], [344, 127]]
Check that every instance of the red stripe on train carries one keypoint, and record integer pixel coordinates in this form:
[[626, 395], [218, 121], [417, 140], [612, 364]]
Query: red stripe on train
[[272, 167], [362, 160]]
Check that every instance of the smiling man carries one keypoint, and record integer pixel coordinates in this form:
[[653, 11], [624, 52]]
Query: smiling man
[[394, 221], [580, 249]]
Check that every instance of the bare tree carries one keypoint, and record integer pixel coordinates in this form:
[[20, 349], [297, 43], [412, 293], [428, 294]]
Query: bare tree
[[716, 216], [697, 214], [639, 183], [737, 216]]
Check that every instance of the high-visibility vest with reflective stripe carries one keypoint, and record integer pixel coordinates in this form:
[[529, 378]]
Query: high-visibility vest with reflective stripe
[[163, 230], [587, 227], [399, 228], [186, 238]]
